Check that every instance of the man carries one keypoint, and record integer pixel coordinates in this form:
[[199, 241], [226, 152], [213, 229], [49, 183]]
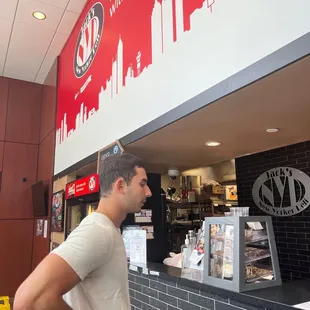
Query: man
[[89, 270]]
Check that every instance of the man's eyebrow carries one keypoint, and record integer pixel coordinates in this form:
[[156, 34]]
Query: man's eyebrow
[[144, 180]]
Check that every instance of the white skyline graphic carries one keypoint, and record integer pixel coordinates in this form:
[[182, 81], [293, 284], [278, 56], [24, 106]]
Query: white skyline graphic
[[198, 60]]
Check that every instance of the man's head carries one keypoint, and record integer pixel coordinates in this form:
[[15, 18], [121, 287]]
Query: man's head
[[123, 179]]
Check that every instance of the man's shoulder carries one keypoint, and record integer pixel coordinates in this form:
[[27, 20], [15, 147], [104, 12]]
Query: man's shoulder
[[88, 235]]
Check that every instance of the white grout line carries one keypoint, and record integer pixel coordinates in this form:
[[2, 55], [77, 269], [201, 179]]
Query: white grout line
[[176, 287], [187, 301]]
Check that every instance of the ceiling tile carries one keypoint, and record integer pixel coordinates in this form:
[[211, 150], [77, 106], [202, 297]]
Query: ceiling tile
[[27, 7], [34, 44], [30, 41], [40, 78], [7, 9], [55, 48], [58, 3], [27, 67], [76, 6], [5, 32], [67, 22], [25, 52], [19, 76]]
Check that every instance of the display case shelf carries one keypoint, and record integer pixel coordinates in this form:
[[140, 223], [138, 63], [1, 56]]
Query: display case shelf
[[257, 240], [257, 259]]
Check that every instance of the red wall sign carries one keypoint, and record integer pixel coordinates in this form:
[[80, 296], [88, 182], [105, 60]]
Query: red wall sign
[[83, 186], [92, 52], [113, 45]]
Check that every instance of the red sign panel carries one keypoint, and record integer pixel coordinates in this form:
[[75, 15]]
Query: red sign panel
[[118, 54], [83, 186], [110, 44]]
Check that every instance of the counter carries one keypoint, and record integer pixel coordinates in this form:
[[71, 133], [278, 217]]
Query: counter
[[156, 286]]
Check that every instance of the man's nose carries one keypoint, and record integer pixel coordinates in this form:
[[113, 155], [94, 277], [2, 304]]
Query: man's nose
[[148, 192]]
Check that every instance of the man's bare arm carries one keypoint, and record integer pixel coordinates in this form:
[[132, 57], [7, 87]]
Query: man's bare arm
[[44, 288]]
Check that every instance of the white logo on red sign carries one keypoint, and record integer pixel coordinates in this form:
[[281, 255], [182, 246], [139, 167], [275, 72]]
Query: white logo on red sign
[[92, 183], [88, 40], [71, 189]]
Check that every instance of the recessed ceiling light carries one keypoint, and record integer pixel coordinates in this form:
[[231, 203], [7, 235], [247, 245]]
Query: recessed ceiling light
[[38, 15], [272, 130], [213, 143]]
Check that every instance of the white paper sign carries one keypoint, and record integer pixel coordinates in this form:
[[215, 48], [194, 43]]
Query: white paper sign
[[138, 247], [133, 268], [196, 257], [45, 229]]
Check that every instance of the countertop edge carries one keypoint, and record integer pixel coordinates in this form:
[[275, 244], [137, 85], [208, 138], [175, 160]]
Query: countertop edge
[[171, 275]]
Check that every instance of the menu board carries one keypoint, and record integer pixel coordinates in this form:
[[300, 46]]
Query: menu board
[[144, 216]]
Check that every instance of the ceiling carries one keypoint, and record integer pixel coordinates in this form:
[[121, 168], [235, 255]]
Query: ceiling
[[29, 47], [239, 121]]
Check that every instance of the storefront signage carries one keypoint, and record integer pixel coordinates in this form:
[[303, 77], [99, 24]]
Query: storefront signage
[[112, 149], [282, 191], [129, 62], [83, 186]]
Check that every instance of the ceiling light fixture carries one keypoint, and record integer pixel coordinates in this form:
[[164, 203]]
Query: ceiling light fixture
[[38, 15], [272, 130], [213, 143]]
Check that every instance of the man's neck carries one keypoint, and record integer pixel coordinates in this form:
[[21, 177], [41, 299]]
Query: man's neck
[[109, 209]]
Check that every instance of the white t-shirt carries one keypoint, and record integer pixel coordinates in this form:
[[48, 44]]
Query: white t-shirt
[[95, 250]]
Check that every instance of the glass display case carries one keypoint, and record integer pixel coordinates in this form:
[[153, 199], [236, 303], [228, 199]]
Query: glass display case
[[240, 253], [82, 198]]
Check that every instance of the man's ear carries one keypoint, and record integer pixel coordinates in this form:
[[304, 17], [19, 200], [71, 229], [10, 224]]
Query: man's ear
[[120, 186]]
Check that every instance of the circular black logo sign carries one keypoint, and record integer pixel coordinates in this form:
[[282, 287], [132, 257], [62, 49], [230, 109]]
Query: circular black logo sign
[[88, 40]]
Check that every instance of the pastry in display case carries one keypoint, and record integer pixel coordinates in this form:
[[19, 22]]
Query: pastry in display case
[[240, 253]]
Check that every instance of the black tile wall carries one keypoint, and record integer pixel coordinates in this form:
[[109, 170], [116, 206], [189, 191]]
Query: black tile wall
[[292, 233], [151, 292]]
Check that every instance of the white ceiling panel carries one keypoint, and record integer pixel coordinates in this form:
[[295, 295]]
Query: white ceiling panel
[[76, 6], [16, 74], [55, 48], [29, 47], [67, 23], [23, 66], [58, 3], [27, 7], [7, 9], [40, 78], [31, 42], [5, 32]]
